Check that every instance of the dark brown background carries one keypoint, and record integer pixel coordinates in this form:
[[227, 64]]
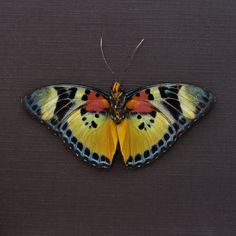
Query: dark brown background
[[44, 190]]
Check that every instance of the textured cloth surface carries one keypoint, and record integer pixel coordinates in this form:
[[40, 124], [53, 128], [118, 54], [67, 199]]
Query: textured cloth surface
[[45, 190]]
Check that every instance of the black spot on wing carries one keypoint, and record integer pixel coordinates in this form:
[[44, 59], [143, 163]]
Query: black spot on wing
[[154, 148], [80, 146], [160, 143], [105, 160], [64, 126], [173, 107], [61, 92], [170, 130], [176, 126], [34, 107], [53, 122], [130, 160], [87, 91], [83, 111], [146, 154], [201, 105], [150, 97], [166, 136], [74, 140], [153, 113], [84, 97], [182, 121], [174, 88], [171, 100], [30, 101], [86, 152], [63, 103], [68, 133], [62, 107], [206, 99], [95, 156], [138, 157], [141, 126], [162, 91], [72, 92], [94, 124]]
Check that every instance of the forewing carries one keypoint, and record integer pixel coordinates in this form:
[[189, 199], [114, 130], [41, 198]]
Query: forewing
[[80, 116], [157, 115]]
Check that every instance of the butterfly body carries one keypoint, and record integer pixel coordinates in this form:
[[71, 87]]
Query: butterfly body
[[117, 100], [143, 123]]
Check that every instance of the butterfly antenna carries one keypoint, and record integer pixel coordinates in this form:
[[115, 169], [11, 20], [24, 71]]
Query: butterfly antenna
[[103, 56], [133, 54]]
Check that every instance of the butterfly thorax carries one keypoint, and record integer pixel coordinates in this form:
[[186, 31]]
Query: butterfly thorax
[[117, 103]]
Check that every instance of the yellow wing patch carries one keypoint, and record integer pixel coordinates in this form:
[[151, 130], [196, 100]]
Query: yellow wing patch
[[95, 131], [188, 98], [138, 133], [47, 102]]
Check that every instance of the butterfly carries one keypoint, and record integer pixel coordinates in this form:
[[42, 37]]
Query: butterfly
[[141, 124]]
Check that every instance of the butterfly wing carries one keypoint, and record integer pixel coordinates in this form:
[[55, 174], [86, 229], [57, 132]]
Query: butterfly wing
[[157, 115], [80, 116]]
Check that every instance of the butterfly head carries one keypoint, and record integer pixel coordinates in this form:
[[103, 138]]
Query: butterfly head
[[117, 101], [115, 89]]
